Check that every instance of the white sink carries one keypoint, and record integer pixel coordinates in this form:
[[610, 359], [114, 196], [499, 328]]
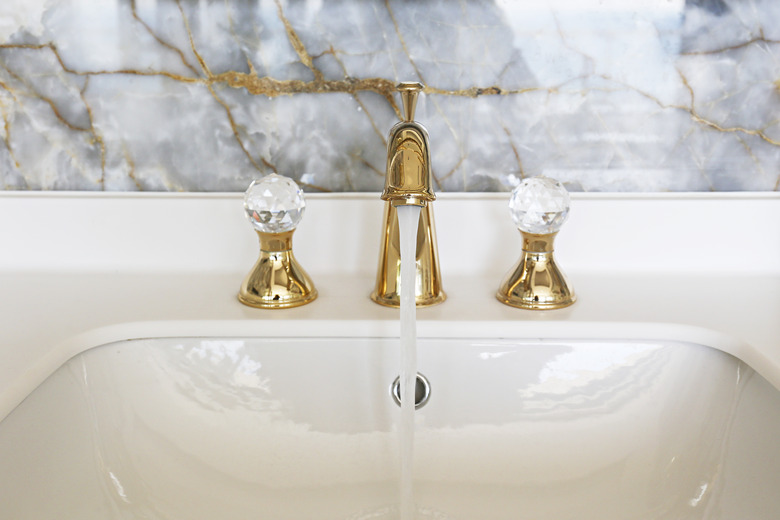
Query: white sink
[[305, 429], [653, 397]]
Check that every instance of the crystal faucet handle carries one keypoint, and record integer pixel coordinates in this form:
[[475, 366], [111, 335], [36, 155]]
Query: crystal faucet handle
[[274, 204], [539, 205]]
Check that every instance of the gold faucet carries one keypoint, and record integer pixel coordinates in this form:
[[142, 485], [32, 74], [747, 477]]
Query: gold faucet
[[408, 182]]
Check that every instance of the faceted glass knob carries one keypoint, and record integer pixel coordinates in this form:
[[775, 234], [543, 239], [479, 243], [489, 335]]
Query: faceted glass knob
[[539, 205], [274, 204]]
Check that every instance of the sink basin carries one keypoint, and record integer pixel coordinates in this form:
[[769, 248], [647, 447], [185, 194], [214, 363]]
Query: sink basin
[[228, 428]]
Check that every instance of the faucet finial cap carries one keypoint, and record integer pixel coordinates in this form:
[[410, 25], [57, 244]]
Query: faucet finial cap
[[409, 91]]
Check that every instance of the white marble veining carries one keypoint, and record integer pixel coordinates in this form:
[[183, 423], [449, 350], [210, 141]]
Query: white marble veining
[[605, 95]]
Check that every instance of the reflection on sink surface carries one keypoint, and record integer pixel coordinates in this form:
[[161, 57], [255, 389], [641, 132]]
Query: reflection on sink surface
[[305, 428]]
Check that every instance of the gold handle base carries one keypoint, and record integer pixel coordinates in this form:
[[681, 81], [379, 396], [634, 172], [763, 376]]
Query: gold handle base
[[277, 281], [536, 282]]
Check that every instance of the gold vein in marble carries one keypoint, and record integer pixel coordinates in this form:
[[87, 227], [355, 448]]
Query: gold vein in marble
[[131, 167], [198, 57], [514, 151], [387, 90], [403, 42], [37, 95], [159, 40], [297, 44], [271, 87], [420, 76], [134, 72], [691, 111], [475, 92], [758, 39], [95, 137], [755, 159], [699, 119], [364, 109], [7, 139], [218, 99]]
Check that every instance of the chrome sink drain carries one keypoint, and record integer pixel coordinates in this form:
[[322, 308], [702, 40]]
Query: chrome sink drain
[[422, 391]]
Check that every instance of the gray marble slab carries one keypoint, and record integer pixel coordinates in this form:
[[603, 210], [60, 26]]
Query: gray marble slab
[[205, 95]]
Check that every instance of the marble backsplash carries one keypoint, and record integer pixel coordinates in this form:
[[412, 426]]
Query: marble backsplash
[[205, 95]]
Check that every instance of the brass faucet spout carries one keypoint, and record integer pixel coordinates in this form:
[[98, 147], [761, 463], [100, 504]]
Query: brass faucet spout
[[408, 174], [408, 183]]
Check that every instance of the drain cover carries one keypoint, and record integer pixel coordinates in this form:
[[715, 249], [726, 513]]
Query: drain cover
[[422, 391]]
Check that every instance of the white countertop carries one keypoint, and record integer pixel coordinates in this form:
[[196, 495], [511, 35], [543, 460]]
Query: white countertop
[[81, 270]]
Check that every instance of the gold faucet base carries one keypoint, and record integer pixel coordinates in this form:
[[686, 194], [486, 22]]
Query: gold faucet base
[[395, 301], [536, 282], [277, 281], [428, 290]]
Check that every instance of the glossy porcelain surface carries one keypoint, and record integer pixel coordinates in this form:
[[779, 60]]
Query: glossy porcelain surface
[[305, 428]]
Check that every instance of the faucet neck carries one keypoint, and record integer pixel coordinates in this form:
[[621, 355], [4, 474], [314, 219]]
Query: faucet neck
[[409, 92], [275, 242], [536, 243]]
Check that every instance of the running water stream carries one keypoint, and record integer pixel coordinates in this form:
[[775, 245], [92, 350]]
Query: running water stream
[[408, 218]]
